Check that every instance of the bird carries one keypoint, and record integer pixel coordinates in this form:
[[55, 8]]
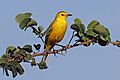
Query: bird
[[55, 32]]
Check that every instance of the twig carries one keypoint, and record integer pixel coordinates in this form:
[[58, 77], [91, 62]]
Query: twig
[[71, 38], [41, 38]]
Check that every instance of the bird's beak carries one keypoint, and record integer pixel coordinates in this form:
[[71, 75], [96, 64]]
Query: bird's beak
[[69, 14]]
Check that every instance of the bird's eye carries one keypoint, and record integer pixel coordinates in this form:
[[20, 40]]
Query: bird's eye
[[62, 14]]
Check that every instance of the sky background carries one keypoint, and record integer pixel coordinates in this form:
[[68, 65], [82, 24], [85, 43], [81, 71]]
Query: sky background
[[81, 63]]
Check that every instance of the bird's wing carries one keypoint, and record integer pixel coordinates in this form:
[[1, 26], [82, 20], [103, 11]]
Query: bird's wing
[[47, 32]]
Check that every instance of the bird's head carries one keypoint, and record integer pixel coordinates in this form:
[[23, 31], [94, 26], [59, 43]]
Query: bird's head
[[63, 14]]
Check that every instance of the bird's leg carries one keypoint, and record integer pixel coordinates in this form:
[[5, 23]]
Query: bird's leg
[[54, 52]]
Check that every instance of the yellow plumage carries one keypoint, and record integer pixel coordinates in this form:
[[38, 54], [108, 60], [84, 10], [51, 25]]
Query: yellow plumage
[[56, 31]]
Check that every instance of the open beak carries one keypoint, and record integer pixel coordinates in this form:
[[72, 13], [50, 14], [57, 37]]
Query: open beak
[[69, 14]]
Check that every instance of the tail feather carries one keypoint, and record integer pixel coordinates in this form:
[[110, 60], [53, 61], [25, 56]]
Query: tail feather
[[47, 48]]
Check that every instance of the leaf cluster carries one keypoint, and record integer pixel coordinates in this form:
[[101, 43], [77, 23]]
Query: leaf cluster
[[94, 33], [25, 21], [13, 57]]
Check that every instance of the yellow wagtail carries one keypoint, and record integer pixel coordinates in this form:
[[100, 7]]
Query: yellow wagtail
[[56, 32]]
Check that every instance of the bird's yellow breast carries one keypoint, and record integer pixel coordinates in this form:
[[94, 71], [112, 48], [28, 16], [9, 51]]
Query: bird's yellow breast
[[58, 30]]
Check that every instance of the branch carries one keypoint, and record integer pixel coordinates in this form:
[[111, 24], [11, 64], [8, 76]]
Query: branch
[[115, 43], [59, 50], [67, 47]]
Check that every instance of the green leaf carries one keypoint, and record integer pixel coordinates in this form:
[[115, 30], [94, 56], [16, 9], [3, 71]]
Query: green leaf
[[78, 26], [40, 29], [19, 68], [3, 60], [42, 65], [27, 48], [20, 17], [24, 23], [108, 35], [28, 57], [103, 32], [6, 71], [103, 42], [32, 23], [104, 35], [14, 71], [74, 27], [24, 20], [100, 29], [4, 56], [27, 15], [77, 21], [10, 48], [0, 60], [82, 27], [37, 46], [33, 63], [90, 32], [16, 68], [92, 24], [108, 32], [19, 53], [80, 34]]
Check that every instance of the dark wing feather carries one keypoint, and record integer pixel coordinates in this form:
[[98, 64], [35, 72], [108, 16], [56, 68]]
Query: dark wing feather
[[48, 31]]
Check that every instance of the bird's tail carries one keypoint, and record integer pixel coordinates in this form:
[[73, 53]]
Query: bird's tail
[[47, 48]]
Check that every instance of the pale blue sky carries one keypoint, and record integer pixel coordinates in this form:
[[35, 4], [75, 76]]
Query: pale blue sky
[[81, 63]]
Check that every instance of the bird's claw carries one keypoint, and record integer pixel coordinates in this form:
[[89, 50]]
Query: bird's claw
[[64, 48], [54, 52]]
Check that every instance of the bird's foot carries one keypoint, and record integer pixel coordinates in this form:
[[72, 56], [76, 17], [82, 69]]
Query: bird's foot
[[64, 48], [54, 52]]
